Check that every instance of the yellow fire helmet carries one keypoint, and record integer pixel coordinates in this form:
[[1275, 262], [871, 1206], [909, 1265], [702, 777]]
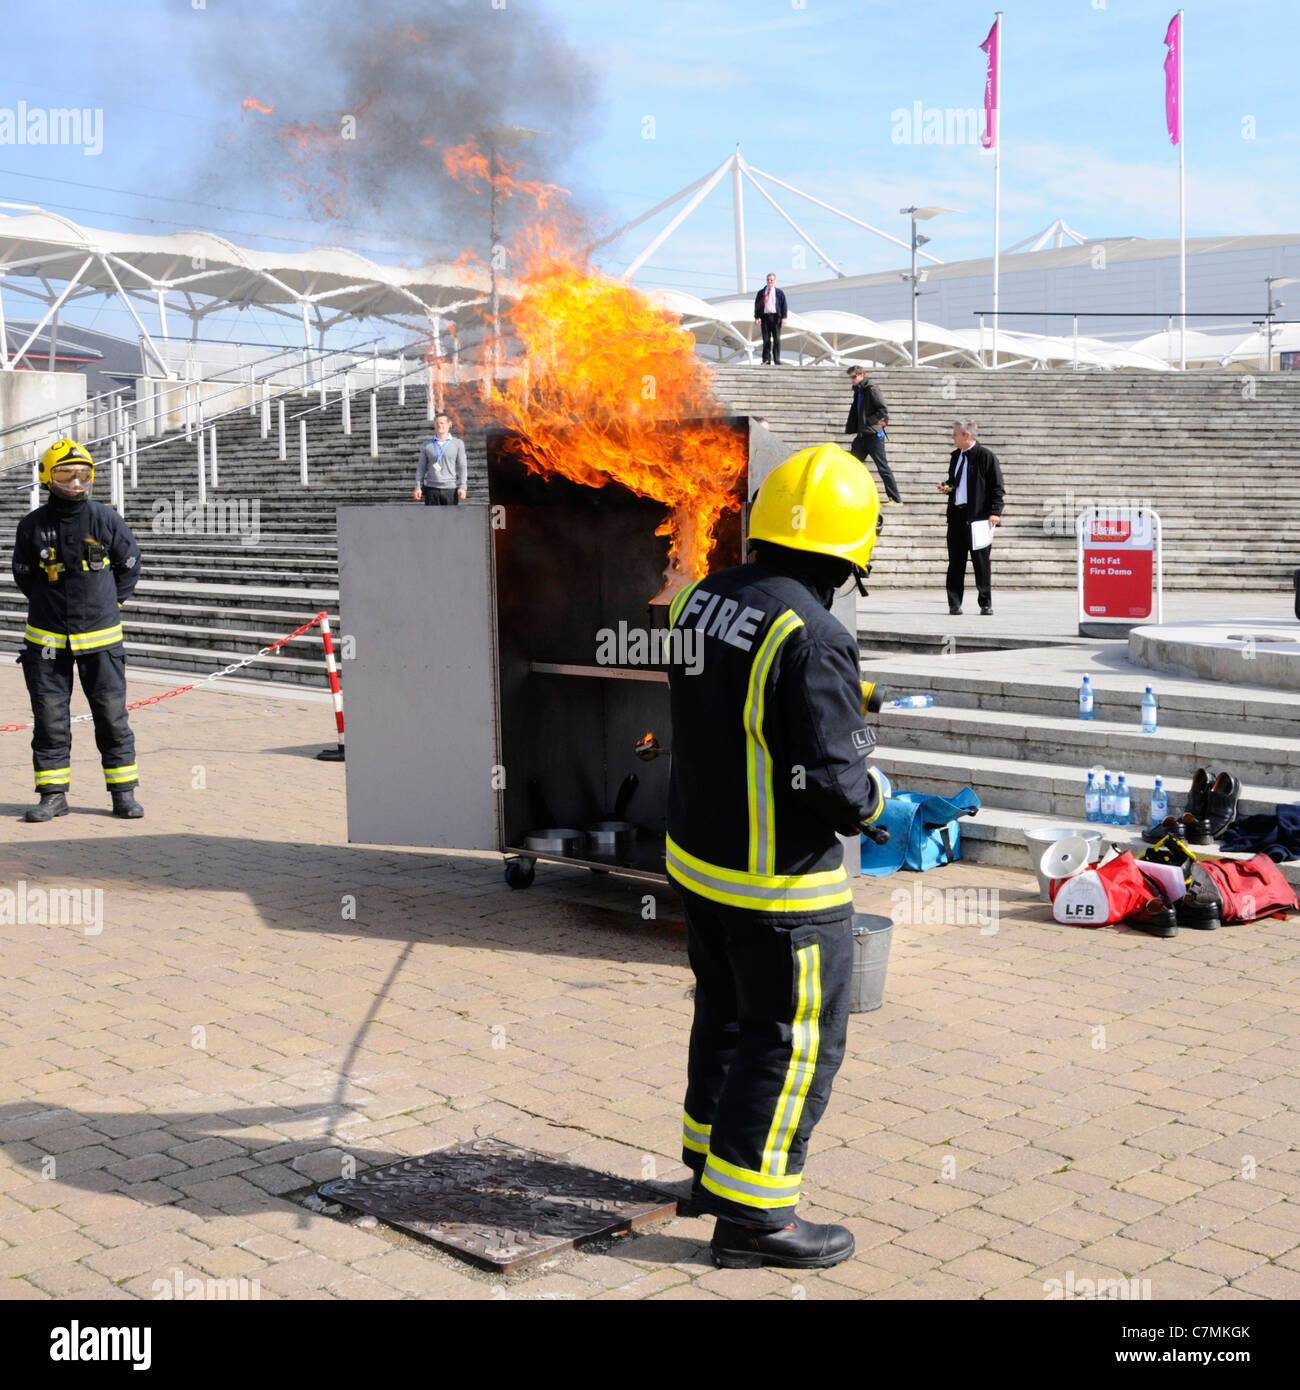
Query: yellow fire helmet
[[820, 499], [64, 451]]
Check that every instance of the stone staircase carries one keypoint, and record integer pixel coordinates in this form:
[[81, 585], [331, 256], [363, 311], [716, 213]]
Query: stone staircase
[[1213, 452], [205, 600], [1014, 736]]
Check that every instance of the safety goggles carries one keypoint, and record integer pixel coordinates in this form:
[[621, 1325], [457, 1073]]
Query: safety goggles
[[69, 472]]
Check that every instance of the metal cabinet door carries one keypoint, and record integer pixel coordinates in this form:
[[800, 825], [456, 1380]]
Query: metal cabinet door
[[420, 692]]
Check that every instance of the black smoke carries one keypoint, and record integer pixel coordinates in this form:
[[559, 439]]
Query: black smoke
[[367, 95]]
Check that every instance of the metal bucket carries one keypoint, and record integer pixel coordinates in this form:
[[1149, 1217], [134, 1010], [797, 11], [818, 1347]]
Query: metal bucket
[[871, 937], [1037, 841]]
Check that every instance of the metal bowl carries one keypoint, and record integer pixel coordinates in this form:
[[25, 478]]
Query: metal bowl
[[551, 841], [611, 836]]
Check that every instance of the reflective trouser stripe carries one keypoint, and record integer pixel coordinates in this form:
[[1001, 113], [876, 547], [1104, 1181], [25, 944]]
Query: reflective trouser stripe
[[758, 892], [675, 607], [748, 1188], [121, 774], [758, 761], [52, 776], [695, 1136], [78, 641], [804, 1042]]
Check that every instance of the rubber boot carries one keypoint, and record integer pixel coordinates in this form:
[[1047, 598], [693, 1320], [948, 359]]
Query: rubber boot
[[51, 804], [799, 1245], [125, 804]]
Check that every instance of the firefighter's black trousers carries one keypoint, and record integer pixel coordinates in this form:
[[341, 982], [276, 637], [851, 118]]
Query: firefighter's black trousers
[[771, 1016], [49, 683]]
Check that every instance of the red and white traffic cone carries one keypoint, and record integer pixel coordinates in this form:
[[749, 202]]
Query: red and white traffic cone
[[332, 755]]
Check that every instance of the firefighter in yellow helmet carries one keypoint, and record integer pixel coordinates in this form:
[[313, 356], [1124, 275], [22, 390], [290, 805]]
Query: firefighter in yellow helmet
[[769, 766], [77, 562]]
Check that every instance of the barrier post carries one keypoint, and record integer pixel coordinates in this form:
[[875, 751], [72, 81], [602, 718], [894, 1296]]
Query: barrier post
[[135, 454], [283, 454], [212, 451], [374, 424], [302, 450], [266, 411], [34, 499], [401, 378], [332, 755], [346, 403], [203, 474]]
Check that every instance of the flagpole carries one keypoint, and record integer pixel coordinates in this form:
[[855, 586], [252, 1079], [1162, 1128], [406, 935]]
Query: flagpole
[[1182, 207], [997, 178]]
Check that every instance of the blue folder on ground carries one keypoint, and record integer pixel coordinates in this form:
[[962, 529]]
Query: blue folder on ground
[[924, 832]]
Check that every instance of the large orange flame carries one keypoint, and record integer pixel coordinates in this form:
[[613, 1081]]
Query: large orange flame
[[609, 386], [252, 104]]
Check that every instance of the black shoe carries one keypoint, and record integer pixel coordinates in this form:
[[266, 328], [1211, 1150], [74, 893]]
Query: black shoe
[[1202, 913], [986, 610], [1171, 825], [800, 1245], [1198, 795], [954, 612], [1156, 917], [126, 806], [1222, 807], [51, 804]]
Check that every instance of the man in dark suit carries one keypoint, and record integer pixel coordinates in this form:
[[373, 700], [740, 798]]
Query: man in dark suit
[[866, 423], [974, 488], [770, 311]]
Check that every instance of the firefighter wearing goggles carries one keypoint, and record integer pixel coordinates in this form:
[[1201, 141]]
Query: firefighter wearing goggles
[[77, 562]]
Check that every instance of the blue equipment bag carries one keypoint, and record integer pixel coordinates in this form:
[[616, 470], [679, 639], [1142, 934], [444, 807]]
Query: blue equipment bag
[[923, 832]]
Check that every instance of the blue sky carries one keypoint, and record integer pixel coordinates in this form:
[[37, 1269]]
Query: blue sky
[[810, 93]]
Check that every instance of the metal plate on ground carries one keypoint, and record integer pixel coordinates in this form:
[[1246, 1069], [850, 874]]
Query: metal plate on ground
[[498, 1204]]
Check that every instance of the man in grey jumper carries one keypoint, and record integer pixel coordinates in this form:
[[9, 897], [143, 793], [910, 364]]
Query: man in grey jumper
[[440, 474]]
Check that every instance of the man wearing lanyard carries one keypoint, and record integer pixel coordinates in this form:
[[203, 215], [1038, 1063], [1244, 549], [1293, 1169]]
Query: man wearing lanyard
[[974, 488], [442, 465]]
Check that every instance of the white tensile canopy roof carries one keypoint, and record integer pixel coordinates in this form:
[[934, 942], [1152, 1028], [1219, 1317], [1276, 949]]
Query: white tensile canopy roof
[[196, 273], [1201, 347]]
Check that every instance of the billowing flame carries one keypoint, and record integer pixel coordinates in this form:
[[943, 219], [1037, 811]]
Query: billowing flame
[[252, 104], [609, 386]]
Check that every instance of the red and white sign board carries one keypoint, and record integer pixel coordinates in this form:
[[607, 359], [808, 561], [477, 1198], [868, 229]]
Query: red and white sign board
[[1120, 566]]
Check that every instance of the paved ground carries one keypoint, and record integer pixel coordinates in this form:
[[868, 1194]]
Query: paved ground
[[262, 1003]]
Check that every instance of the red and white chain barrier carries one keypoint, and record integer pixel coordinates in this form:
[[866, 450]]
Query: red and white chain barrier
[[321, 619]]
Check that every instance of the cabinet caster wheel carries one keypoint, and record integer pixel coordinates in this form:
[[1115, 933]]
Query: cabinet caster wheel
[[520, 872]]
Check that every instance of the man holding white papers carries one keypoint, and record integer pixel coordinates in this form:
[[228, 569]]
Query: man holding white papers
[[974, 488]]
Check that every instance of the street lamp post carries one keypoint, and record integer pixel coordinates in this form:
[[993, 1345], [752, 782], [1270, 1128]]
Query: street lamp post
[[915, 278], [1273, 304]]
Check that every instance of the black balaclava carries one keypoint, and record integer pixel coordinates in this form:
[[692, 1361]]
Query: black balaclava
[[823, 574]]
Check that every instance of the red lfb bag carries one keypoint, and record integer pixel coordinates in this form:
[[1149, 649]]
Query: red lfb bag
[[1100, 896], [1250, 888]]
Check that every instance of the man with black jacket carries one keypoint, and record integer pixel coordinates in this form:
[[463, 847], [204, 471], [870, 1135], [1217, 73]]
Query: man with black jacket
[[974, 488], [770, 750], [77, 563], [868, 419], [770, 313]]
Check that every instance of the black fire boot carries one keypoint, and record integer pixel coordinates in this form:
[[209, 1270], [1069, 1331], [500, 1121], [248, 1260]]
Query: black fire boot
[[1198, 809], [51, 804], [1222, 800], [800, 1245], [125, 804], [1156, 917]]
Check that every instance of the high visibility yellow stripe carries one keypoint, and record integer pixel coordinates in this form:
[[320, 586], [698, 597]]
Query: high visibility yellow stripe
[[804, 1044], [675, 607], [880, 797], [53, 774], [758, 761], [758, 892], [121, 774], [695, 1136], [79, 641], [89, 641], [748, 1188]]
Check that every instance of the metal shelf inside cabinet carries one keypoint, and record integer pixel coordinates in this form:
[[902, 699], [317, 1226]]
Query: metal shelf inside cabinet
[[608, 673]]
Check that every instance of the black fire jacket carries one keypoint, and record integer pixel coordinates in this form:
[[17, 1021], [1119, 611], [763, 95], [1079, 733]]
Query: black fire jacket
[[769, 747], [77, 563]]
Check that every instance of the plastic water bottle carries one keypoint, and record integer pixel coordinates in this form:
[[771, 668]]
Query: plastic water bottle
[[1148, 712], [1108, 801], [1085, 699], [1092, 799], [913, 702], [1159, 802], [1123, 803]]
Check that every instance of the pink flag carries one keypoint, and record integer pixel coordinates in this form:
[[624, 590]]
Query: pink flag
[[1173, 97], [989, 136]]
